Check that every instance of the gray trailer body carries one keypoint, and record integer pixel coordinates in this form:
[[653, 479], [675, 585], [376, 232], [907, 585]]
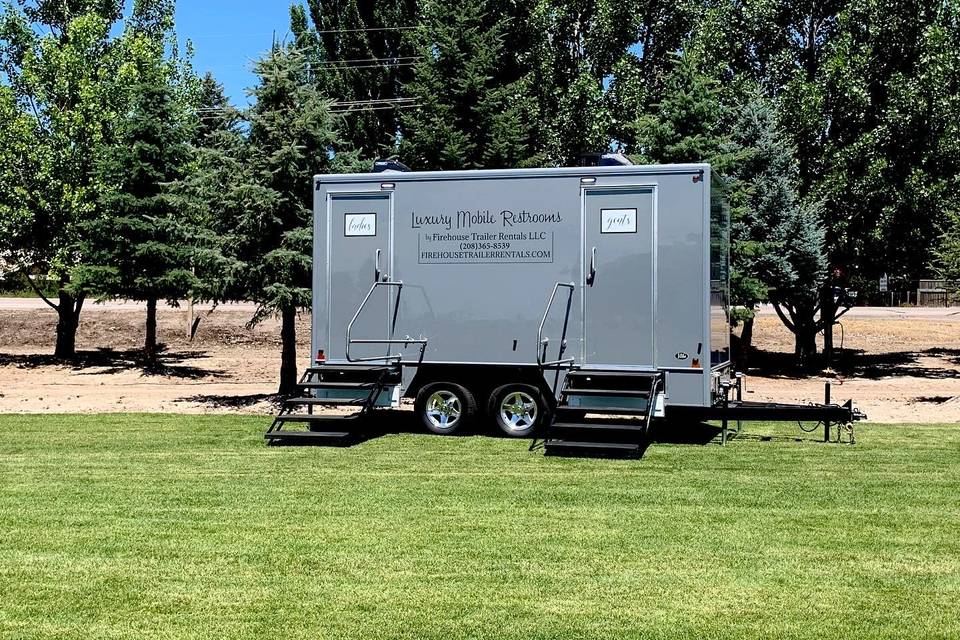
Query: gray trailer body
[[646, 249]]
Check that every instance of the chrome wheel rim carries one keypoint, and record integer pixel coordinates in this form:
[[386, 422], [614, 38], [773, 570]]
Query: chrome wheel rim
[[443, 410], [518, 411]]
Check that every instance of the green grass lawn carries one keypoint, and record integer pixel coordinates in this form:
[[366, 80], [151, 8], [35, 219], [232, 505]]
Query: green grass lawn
[[145, 526]]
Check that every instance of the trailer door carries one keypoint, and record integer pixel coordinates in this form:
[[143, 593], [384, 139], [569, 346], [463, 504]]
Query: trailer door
[[619, 277], [359, 254]]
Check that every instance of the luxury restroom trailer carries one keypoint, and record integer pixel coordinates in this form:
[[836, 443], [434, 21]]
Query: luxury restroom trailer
[[539, 301]]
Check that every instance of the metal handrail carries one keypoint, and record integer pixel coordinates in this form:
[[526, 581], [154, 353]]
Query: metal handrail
[[655, 388], [405, 341], [543, 342]]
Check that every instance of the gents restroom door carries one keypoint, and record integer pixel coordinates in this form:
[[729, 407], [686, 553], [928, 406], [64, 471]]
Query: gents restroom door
[[359, 237], [619, 277]]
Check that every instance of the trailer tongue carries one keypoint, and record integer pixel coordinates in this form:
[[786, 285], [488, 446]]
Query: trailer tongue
[[633, 262]]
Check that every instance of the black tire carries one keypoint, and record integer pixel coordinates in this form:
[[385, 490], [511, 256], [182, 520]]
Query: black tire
[[431, 415], [516, 421]]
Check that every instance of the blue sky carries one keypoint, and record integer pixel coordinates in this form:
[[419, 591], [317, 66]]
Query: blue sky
[[229, 35]]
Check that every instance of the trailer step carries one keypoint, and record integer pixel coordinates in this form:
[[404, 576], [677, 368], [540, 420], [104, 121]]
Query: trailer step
[[369, 381], [336, 385], [569, 430], [307, 417], [336, 368], [311, 437], [327, 401], [599, 426], [606, 392], [575, 444], [616, 411]]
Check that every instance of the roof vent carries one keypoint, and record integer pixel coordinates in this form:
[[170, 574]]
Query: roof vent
[[389, 165], [603, 160]]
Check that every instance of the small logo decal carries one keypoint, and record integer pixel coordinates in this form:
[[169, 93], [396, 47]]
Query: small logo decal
[[680, 355]]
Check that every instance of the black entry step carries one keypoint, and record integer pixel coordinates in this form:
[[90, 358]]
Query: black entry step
[[316, 436], [573, 444], [328, 401], [617, 411], [600, 426], [335, 368], [307, 417], [606, 392], [368, 380], [336, 385]]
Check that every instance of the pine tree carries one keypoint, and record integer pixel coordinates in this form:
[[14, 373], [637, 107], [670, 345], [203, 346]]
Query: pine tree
[[777, 247], [465, 118], [140, 248], [688, 123], [214, 111], [292, 136]]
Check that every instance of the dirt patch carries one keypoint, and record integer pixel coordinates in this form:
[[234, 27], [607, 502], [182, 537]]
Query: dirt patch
[[903, 369], [228, 366], [897, 370]]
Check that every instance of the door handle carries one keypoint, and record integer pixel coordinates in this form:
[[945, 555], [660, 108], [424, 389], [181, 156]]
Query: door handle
[[593, 267], [376, 272]]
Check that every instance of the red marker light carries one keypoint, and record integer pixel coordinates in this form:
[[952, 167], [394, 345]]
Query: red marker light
[[321, 356]]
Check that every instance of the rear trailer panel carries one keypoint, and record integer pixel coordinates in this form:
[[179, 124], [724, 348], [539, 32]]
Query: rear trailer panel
[[479, 252]]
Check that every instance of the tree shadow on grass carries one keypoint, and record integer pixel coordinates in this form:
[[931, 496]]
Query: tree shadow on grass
[[388, 422], [856, 363], [691, 433], [109, 361], [223, 401]]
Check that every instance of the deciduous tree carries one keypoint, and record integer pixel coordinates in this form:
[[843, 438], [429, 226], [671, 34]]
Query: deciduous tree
[[68, 69], [64, 82]]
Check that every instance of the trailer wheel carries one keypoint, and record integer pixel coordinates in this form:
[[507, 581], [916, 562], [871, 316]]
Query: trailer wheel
[[444, 407], [517, 409]]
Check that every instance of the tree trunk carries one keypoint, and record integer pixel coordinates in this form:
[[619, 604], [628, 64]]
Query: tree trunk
[[806, 343], [68, 320], [746, 344], [828, 317], [150, 344], [288, 356]]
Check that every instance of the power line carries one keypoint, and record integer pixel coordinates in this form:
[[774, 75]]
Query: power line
[[383, 108], [345, 106], [332, 64], [385, 59], [381, 65], [325, 31], [321, 32], [373, 101]]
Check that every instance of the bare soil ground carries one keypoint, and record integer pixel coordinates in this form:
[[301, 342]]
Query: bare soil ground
[[899, 367]]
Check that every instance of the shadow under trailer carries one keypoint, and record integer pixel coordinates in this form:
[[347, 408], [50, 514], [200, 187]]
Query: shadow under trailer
[[572, 306]]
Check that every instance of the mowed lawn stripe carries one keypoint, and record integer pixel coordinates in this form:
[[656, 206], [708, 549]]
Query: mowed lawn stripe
[[189, 527]]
